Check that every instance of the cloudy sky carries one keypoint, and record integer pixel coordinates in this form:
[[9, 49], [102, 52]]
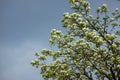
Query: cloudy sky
[[24, 28]]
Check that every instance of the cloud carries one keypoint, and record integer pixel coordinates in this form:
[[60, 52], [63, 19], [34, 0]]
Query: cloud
[[15, 61]]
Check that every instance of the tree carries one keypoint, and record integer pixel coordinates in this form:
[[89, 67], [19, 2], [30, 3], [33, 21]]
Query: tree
[[88, 50]]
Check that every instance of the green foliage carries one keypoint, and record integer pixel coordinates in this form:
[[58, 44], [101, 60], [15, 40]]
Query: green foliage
[[90, 48]]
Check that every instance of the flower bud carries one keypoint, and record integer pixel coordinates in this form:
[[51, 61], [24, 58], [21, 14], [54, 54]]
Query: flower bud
[[42, 57], [114, 46], [98, 9], [118, 67], [109, 36]]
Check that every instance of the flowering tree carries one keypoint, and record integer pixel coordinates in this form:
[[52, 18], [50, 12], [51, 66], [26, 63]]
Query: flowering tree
[[88, 50]]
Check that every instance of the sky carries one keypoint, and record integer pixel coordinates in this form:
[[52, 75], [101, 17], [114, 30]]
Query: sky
[[25, 27]]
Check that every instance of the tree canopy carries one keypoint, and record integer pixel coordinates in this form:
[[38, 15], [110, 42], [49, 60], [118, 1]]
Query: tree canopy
[[88, 50]]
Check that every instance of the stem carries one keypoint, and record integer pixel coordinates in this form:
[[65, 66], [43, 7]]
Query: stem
[[113, 74]]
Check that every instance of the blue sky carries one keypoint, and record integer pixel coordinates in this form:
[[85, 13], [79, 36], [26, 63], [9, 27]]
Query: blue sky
[[24, 28]]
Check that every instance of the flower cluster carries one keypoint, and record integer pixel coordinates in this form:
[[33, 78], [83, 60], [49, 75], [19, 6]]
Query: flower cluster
[[88, 50]]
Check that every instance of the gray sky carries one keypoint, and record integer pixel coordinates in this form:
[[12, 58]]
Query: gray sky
[[24, 28]]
